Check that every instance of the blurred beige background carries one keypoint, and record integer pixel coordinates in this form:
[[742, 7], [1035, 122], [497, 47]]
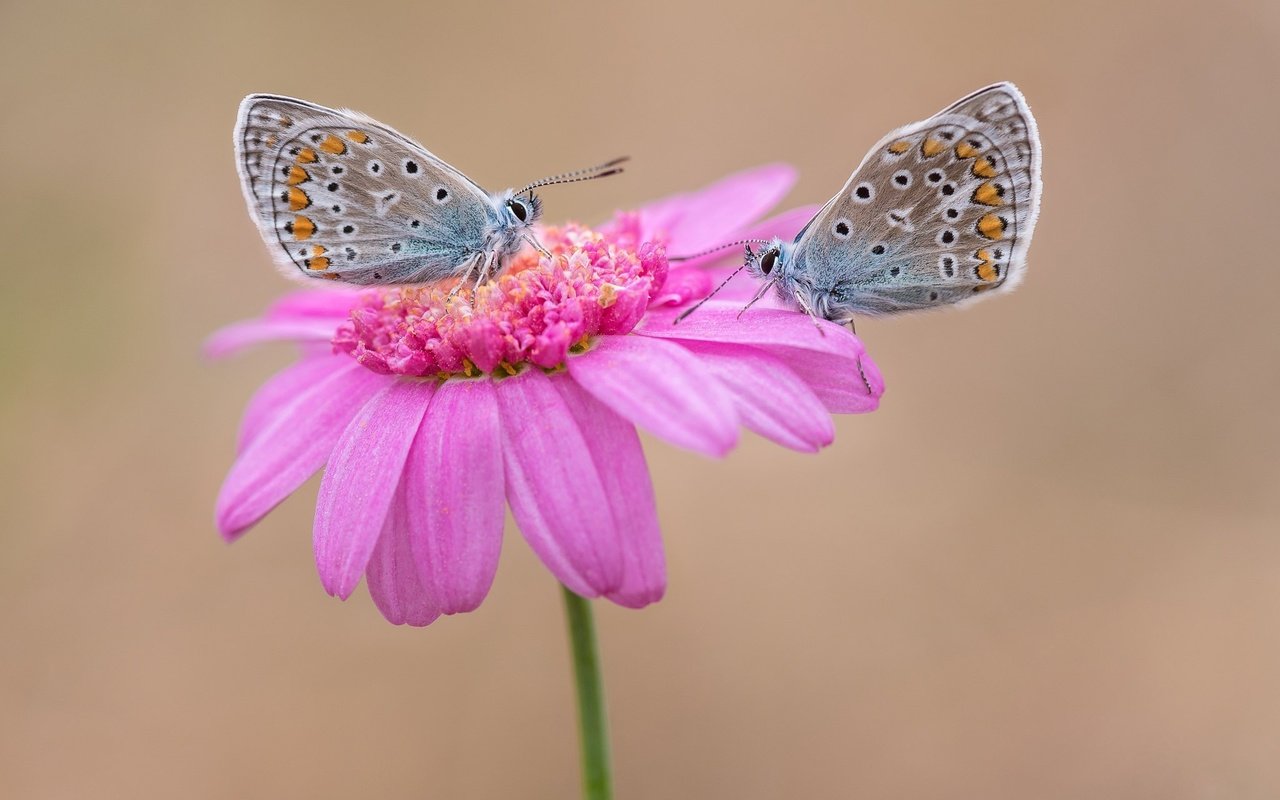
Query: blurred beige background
[[1048, 567]]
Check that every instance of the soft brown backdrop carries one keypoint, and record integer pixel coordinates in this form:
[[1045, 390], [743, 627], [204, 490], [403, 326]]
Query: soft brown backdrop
[[1048, 567]]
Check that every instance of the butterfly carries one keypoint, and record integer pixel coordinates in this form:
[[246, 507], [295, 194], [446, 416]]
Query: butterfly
[[338, 196], [939, 212]]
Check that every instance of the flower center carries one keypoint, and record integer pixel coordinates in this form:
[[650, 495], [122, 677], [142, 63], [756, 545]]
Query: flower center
[[537, 312]]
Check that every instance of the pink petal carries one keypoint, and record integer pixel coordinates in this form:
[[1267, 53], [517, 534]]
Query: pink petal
[[768, 328], [554, 490], [841, 387], [279, 390], [291, 447], [392, 574], [684, 286], [714, 214], [455, 490], [308, 303], [719, 321], [361, 479], [832, 363], [661, 387], [771, 399], [784, 226], [241, 335], [618, 457]]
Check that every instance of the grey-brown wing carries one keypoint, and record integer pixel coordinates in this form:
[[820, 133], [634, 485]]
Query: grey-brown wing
[[339, 196], [939, 211]]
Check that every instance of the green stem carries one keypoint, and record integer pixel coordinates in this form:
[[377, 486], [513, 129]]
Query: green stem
[[593, 725]]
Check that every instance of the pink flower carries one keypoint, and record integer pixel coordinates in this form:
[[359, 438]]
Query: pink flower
[[429, 412]]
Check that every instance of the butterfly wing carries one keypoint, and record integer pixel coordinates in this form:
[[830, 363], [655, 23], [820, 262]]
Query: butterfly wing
[[939, 211], [339, 196]]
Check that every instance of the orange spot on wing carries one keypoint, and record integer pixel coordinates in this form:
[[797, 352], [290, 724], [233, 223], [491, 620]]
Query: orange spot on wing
[[270, 141], [988, 194], [991, 226], [359, 137], [297, 175], [966, 150], [987, 270], [317, 264], [931, 148], [307, 156], [303, 227], [984, 167], [332, 144], [318, 250], [298, 199], [900, 147]]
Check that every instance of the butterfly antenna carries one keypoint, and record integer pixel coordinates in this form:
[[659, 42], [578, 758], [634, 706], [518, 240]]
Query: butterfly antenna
[[714, 291], [719, 247], [751, 257], [557, 181], [586, 174]]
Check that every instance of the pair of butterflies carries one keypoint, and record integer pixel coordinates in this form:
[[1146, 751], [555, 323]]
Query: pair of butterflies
[[939, 212]]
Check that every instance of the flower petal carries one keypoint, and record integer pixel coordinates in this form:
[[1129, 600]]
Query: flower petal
[[719, 321], [833, 362], [454, 485], [281, 389], [714, 214], [783, 226], [772, 400], [310, 303], [615, 449], [392, 574], [361, 479], [661, 387], [291, 447], [239, 336], [843, 388], [554, 489]]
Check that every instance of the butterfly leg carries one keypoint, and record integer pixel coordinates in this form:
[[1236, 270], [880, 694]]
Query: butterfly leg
[[817, 321], [462, 281], [537, 245], [755, 299], [863, 374], [485, 271]]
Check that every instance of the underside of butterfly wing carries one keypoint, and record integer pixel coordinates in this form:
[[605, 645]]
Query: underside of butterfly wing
[[338, 196], [939, 212]]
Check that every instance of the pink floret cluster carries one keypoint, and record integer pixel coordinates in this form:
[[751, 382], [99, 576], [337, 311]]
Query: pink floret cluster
[[537, 312]]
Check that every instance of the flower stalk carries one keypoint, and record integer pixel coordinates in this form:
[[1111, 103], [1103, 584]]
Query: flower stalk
[[593, 723]]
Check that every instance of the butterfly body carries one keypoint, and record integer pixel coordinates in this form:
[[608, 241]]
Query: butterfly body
[[940, 212], [338, 196]]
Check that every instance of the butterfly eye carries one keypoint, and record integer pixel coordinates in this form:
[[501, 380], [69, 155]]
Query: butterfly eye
[[518, 209], [768, 260]]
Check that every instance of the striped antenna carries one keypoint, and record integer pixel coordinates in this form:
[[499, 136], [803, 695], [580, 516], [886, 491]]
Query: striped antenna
[[718, 247], [587, 174], [751, 256]]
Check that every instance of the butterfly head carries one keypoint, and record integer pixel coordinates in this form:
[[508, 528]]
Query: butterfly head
[[767, 264], [523, 209]]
